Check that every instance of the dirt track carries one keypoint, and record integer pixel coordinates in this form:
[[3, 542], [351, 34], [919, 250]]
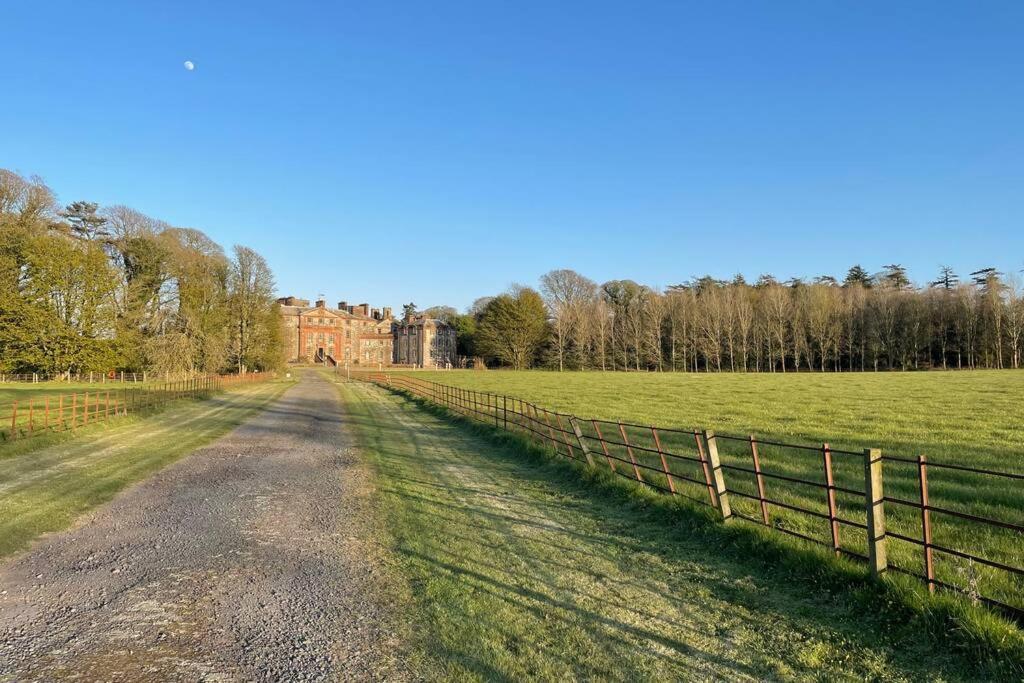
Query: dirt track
[[252, 559]]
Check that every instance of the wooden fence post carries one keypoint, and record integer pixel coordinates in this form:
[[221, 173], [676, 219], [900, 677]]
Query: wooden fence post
[[760, 480], [14, 420], [875, 508], [926, 522], [717, 476], [830, 498], [579, 438]]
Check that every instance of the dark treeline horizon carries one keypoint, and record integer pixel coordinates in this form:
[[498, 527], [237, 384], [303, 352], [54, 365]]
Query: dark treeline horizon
[[862, 322], [85, 288]]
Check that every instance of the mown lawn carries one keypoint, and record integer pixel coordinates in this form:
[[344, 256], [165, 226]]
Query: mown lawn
[[523, 568], [966, 418], [48, 482]]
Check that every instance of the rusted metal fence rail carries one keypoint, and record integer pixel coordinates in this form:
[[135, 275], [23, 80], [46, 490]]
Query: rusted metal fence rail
[[728, 473], [113, 377], [48, 413]]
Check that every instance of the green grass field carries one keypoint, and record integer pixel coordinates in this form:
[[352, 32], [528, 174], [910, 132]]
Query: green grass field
[[967, 418], [23, 392], [520, 567], [47, 482]]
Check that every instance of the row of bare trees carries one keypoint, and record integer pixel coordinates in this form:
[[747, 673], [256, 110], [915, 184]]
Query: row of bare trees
[[90, 289], [864, 322]]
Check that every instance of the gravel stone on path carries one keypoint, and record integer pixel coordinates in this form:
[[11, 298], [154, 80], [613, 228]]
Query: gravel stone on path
[[255, 558]]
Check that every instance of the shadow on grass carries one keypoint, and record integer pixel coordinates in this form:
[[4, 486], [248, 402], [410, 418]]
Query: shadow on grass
[[800, 584]]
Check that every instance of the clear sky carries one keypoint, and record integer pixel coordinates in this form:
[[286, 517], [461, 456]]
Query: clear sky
[[438, 151]]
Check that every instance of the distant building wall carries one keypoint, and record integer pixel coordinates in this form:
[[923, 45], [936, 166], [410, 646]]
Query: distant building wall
[[424, 342], [336, 336]]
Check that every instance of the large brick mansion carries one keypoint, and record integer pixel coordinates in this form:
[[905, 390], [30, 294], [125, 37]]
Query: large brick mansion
[[359, 335]]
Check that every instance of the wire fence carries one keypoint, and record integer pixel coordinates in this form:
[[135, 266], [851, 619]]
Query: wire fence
[[51, 413], [827, 496]]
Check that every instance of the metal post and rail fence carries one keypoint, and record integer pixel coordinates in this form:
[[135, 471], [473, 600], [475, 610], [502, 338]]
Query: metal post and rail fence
[[769, 483], [112, 377], [45, 414]]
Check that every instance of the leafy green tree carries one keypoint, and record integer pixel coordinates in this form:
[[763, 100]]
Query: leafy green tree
[[513, 327], [255, 320], [465, 335]]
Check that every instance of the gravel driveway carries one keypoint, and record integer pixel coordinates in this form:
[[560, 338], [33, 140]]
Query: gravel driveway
[[252, 559]]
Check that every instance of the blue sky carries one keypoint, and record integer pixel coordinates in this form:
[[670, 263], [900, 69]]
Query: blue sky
[[436, 152]]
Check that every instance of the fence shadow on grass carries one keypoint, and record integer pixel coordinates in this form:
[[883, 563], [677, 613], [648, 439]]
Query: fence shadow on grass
[[805, 587]]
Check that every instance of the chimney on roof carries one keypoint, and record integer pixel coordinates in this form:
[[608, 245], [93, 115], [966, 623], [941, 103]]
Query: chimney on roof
[[342, 305], [320, 303], [387, 312], [363, 309], [375, 313]]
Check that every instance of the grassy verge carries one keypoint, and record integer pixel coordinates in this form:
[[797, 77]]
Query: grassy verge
[[45, 486], [960, 418], [522, 567]]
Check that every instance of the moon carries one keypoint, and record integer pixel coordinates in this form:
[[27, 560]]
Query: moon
[[189, 66]]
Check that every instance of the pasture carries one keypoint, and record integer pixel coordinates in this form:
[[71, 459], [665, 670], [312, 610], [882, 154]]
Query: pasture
[[519, 566], [23, 392], [965, 418]]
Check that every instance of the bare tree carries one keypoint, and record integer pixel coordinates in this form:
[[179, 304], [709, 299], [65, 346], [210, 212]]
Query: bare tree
[[567, 295]]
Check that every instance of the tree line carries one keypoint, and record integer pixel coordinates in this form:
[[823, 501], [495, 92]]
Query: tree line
[[91, 289], [864, 322]]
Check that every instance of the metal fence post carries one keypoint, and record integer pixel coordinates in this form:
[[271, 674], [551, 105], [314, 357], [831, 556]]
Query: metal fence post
[[705, 469], [604, 447], [717, 475], [629, 450], [875, 508], [565, 439], [664, 463]]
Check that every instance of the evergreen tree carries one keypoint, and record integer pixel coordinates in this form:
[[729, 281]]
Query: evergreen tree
[[947, 279], [856, 275]]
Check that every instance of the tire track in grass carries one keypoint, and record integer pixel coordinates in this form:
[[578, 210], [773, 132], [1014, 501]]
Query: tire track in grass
[[517, 573]]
